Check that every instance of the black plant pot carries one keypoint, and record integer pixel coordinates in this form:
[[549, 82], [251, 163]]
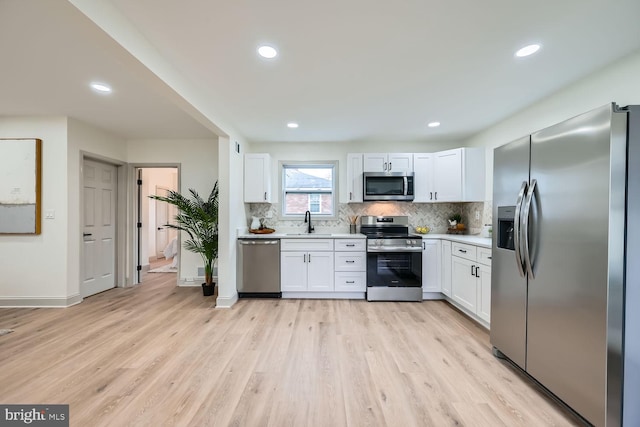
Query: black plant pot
[[208, 290]]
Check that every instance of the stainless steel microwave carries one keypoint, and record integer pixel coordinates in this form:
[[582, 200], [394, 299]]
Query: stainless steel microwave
[[388, 186]]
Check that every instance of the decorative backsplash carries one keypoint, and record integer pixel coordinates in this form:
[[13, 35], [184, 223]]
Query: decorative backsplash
[[433, 215]]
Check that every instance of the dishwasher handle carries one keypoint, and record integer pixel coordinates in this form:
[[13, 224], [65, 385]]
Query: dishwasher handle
[[258, 242]]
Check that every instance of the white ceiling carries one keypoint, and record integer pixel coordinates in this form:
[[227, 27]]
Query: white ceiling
[[348, 70]]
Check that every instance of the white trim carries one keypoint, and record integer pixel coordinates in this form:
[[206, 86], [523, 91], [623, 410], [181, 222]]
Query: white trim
[[40, 302], [467, 313], [428, 296], [227, 302]]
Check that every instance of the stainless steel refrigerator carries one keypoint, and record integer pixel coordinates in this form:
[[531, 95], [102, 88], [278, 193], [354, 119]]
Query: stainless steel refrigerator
[[565, 297]]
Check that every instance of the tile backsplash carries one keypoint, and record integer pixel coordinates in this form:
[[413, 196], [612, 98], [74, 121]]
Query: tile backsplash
[[433, 215]]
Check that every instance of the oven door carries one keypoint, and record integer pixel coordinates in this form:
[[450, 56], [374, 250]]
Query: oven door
[[394, 269]]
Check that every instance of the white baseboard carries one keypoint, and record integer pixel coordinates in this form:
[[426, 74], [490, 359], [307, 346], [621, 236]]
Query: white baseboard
[[40, 302], [227, 302]]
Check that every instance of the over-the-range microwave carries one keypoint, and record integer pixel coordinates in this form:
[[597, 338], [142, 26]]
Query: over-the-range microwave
[[382, 186]]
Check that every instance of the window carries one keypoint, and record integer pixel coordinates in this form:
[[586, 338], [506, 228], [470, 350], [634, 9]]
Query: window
[[308, 187]]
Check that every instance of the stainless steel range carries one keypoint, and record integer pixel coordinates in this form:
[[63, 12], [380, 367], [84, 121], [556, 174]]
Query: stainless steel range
[[394, 259]]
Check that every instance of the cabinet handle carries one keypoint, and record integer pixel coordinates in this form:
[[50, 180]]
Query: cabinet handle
[[304, 258], [477, 270], [350, 245], [473, 273], [462, 250], [384, 166], [350, 281], [424, 246], [265, 195], [488, 257], [430, 195], [350, 261], [389, 165], [350, 195], [309, 258], [436, 195]]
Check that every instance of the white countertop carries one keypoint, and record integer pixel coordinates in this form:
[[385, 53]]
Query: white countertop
[[473, 239], [319, 235], [462, 238]]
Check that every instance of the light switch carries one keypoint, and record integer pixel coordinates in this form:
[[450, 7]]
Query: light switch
[[49, 214]]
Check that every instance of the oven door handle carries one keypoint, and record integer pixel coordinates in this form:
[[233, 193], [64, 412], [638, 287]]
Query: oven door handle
[[393, 249]]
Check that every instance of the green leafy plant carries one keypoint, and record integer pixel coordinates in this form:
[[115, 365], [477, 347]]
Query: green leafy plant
[[199, 219], [456, 217]]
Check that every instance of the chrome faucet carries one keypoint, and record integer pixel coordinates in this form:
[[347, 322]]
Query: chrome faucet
[[310, 229]]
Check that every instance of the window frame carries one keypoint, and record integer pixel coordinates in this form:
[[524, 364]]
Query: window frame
[[284, 164]]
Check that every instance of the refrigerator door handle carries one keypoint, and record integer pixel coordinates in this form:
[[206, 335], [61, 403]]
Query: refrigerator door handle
[[525, 228], [516, 226]]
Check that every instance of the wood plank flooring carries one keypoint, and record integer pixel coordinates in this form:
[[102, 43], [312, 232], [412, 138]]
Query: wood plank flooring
[[161, 355]]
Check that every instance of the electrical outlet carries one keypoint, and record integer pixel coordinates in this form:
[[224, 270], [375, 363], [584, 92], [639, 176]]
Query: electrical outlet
[[477, 214], [49, 214]]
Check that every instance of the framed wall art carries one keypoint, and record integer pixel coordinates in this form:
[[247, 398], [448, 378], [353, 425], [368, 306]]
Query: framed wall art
[[20, 186]]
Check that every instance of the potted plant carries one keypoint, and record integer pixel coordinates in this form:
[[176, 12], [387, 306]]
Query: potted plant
[[455, 221], [199, 219]]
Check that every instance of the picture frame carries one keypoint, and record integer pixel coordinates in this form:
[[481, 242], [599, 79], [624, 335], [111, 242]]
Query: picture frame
[[20, 185]]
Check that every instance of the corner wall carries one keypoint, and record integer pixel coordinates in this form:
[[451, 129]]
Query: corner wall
[[617, 82]]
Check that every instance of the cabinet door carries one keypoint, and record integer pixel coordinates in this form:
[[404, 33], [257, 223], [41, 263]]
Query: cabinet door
[[320, 271], [431, 266], [293, 271], [446, 267], [423, 178], [484, 293], [400, 162], [375, 162], [354, 178], [448, 176], [463, 283], [257, 178]]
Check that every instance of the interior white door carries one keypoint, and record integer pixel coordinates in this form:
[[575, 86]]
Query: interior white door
[[99, 227], [162, 218]]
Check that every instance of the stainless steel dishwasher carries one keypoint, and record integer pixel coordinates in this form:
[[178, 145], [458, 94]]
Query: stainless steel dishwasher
[[258, 268]]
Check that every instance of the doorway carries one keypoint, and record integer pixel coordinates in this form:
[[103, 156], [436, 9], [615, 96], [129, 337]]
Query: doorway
[[158, 246]]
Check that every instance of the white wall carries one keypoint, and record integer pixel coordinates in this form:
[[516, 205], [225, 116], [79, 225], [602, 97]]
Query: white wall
[[34, 266], [198, 159], [338, 151], [45, 269], [619, 82], [232, 217]]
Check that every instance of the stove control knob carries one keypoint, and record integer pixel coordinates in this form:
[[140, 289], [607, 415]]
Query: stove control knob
[[408, 242]]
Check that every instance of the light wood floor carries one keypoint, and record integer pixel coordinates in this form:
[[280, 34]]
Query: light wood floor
[[161, 355]]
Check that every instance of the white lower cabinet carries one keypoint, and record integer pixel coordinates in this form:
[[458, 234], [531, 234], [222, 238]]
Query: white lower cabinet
[[311, 268], [306, 270], [446, 268], [431, 260], [471, 279]]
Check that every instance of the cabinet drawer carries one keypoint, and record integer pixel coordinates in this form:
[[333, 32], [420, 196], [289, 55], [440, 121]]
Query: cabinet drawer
[[463, 251], [347, 281], [351, 244], [484, 256], [350, 261], [306, 244]]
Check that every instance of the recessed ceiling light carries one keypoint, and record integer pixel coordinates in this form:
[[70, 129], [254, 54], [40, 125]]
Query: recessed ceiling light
[[292, 125], [101, 87], [267, 51], [528, 50], [434, 124]]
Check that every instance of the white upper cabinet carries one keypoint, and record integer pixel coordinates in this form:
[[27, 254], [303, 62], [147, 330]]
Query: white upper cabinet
[[257, 178], [388, 162], [450, 176], [354, 177], [423, 178]]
